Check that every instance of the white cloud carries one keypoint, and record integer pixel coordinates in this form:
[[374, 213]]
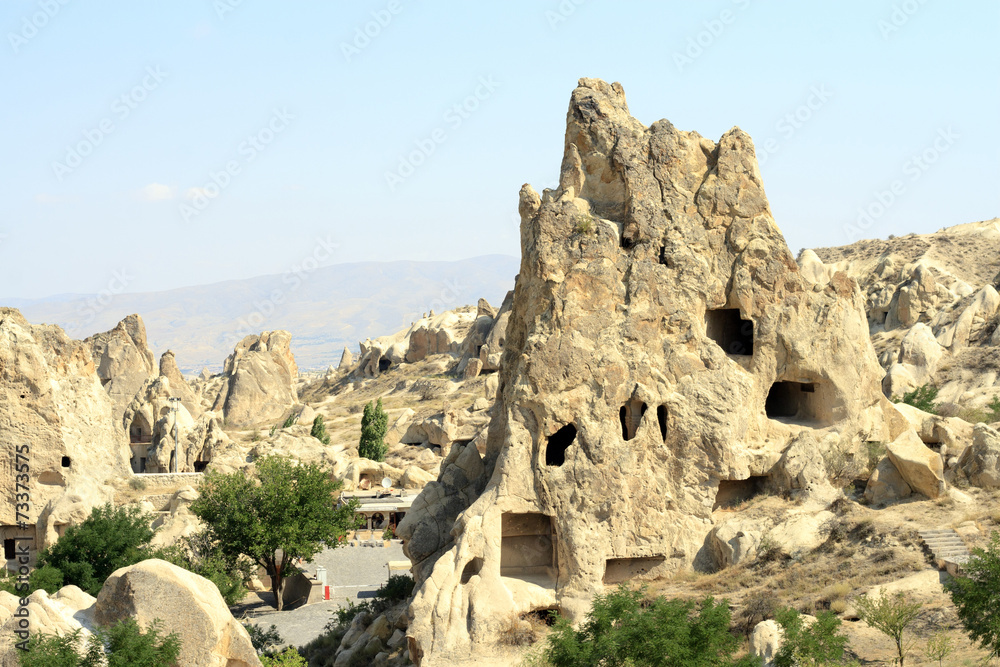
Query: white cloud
[[156, 192]]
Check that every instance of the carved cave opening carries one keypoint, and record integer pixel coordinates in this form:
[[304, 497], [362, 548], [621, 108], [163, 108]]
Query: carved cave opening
[[617, 570], [630, 416], [139, 431], [384, 364], [730, 331], [527, 545], [733, 492], [802, 402], [472, 568], [661, 419], [558, 442]]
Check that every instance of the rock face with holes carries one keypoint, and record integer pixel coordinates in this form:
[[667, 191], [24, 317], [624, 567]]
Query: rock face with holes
[[662, 348], [56, 414], [259, 385], [123, 361]]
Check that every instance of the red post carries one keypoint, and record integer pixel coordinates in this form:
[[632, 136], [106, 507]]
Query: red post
[[326, 592]]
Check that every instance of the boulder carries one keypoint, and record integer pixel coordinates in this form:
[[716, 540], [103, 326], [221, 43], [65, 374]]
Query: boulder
[[68, 610], [185, 603], [259, 387], [980, 462], [919, 465], [765, 641], [886, 485], [735, 541]]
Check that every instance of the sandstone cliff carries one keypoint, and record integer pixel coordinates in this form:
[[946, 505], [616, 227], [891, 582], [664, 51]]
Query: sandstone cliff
[[123, 361], [259, 380], [663, 354]]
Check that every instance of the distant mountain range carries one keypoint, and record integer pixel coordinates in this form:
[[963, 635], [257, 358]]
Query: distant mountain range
[[325, 310]]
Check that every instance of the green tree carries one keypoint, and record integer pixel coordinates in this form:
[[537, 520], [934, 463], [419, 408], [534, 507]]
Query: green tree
[[374, 424], [110, 538], [922, 398], [319, 430], [622, 629], [977, 595], [939, 647], [286, 512], [123, 644], [198, 554], [818, 644], [890, 615]]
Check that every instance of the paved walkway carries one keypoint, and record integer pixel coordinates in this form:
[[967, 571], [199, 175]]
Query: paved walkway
[[353, 573]]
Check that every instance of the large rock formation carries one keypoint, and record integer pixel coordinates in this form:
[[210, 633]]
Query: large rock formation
[[123, 361], [185, 603], [180, 387], [932, 305], [54, 412], [259, 385], [67, 611], [662, 355]]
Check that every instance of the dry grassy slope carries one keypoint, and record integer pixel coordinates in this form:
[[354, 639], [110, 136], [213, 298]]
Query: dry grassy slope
[[970, 252]]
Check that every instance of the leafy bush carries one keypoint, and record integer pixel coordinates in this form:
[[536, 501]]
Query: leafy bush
[[994, 408], [110, 538], [289, 421], [290, 657], [264, 640], [48, 578], [319, 430], [399, 587], [977, 596], [818, 644], [938, 647], [623, 630], [200, 556], [584, 224], [124, 644], [388, 533], [374, 424], [922, 398]]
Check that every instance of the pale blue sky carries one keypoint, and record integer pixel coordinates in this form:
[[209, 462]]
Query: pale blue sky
[[343, 121]]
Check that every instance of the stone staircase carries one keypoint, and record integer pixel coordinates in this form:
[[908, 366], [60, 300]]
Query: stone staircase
[[947, 548]]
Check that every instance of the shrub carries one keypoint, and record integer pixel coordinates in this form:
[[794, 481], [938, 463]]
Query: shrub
[[264, 640], [319, 430], [110, 538], [123, 644], [875, 451], [938, 647], [922, 398], [977, 595], [289, 421], [388, 533], [137, 484], [48, 578], [399, 587], [374, 424], [994, 408], [758, 607], [622, 630], [819, 644], [890, 615], [290, 657], [584, 224]]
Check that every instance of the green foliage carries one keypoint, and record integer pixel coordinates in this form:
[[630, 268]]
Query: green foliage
[[977, 596], [890, 615], [319, 430], [288, 507], [922, 398], [289, 421], [818, 644], [290, 657], [264, 640], [994, 408], [874, 452], [273, 429], [374, 424], [584, 224], [48, 578], [124, 644], [399, 587], [623, 630], [388, 533], [938, 647], [110, 538]]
